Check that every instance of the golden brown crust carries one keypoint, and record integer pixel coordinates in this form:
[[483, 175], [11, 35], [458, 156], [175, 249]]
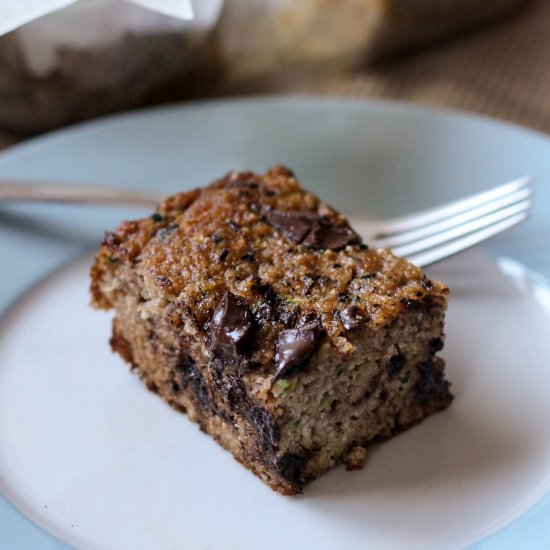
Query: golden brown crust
[[203, 243]]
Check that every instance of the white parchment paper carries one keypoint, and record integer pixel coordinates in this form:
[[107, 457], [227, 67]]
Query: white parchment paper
[[15, 13]]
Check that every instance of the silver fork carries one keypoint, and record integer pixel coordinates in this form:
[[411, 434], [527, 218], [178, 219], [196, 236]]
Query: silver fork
[[423, 237], [431, 235]]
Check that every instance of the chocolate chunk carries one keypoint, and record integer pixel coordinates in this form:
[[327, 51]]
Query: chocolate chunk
[[430, 386], [395, 364], [412, 304], [226, 385], [290, 466], [312, 230], [233, 397], [189, 376], [231, 327], [305, 319], [265, 314], [351, 317], [333, 237], [294, 347], [435, 345], [268, 292], [288, 316], [426, 283], [266, 428], [223, 255], [294, 224]]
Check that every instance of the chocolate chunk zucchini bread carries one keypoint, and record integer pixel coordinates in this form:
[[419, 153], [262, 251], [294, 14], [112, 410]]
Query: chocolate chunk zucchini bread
[[257, 310]]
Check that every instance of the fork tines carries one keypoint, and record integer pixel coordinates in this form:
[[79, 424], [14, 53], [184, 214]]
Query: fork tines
[[429, 236]]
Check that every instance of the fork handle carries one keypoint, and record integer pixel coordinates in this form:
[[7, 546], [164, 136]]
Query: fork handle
[[24, 191]]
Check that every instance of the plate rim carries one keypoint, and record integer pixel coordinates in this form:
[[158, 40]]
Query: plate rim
[[271, 99]]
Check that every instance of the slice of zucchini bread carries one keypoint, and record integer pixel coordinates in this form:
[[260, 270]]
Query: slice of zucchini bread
[[257, 310]]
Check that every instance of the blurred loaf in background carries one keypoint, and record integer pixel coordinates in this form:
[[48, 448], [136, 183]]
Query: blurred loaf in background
[[53, 73], [261, 36]]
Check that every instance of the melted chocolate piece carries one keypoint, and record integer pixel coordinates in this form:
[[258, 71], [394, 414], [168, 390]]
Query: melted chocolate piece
[[189, 376], [306, 319], [426, 283], [412, 304], [268, 292], [395, 364], [351, 317], [231, 327], [265, 314], [334, 237], [289, 316], [294, 346], [266, 428], [430, 386], [290, 466], [312, 230], [435, 345], [294, 224]]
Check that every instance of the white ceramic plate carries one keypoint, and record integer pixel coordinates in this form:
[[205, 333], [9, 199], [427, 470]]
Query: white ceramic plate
[[96, 460]]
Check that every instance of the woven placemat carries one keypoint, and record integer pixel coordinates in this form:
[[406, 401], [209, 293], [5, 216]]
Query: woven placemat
[[503, 72]]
